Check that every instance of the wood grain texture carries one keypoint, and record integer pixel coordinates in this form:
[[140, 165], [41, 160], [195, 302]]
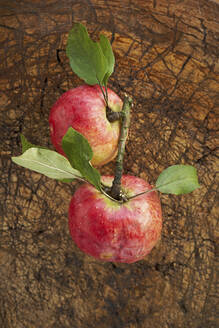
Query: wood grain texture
[[167, 59]]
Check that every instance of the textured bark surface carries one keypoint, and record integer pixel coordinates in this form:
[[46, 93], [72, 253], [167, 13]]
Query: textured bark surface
[[167, 59]]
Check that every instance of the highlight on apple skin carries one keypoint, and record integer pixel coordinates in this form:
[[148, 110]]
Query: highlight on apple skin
[[84, 109], [116, 232]]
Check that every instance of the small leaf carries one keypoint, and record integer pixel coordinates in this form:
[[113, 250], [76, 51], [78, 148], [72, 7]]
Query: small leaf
[[91, 61], [108, 53], [178, 179], [25, 143], [79, 153], [47, 162]]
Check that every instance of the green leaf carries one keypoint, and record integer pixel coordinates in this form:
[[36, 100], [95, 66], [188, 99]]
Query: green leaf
[[178, 179], [91, 61], [108, 53], [49, 163], [25, 143], [79, 153]]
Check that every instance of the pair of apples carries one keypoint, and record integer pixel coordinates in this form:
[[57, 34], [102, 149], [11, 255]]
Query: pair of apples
[[117, 218], [102, 227]]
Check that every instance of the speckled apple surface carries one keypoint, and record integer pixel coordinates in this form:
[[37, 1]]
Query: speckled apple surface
[[116, 232], [84, 109]]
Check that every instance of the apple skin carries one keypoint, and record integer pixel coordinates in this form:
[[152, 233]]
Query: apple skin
[[115, 232], [84, 109]]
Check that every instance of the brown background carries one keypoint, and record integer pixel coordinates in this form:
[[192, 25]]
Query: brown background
[[167, 59]]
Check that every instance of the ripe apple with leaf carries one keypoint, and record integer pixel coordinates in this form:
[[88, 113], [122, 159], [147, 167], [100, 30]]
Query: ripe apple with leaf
[[92, 109], [111, 218], [84, 109], [116, 231]]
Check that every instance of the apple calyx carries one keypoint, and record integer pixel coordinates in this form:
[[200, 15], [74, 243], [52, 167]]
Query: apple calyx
[[111, 115]]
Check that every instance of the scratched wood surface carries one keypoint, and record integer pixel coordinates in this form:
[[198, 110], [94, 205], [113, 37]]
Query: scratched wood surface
[[167, 59]]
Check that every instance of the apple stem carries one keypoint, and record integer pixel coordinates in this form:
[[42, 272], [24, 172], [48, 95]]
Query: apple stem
[[105, 94], [116, 191]]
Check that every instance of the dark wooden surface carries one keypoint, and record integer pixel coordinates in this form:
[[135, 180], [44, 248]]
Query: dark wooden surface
[[167, 59]]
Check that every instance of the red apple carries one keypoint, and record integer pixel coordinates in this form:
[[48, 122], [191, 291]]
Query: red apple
[[84, 109], [116, 232]]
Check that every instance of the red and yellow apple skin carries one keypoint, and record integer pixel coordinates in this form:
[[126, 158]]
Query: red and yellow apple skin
[[115, 232], [84, 109]]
